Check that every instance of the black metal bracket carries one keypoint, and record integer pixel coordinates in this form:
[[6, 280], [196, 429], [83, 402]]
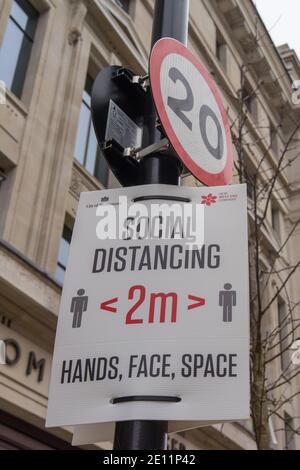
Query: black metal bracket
[[162, 198], [125, 167], [125, 77], [115, 401]]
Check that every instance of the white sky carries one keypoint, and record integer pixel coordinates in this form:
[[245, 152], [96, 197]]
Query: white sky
[[282, 19]]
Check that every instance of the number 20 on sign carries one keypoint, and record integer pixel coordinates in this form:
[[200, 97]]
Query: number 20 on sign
[[191, 112]]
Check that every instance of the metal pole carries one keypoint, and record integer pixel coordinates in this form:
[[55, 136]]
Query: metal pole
[[170, 20]]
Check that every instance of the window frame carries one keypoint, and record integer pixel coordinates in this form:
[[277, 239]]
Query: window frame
[[99, 157], [289, 437], [273, 139], [59, 265], [221, 49], [126, 8], [283, 333], [28, 32], [276, 220]]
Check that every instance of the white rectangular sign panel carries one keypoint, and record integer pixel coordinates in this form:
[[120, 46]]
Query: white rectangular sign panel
[[154, 320]]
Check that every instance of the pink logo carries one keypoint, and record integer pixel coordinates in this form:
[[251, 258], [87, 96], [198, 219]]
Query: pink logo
[[209, 199]]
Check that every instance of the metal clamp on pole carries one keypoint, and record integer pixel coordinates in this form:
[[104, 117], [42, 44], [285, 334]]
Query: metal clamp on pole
[[123, 74], [161, 146], [115, 401], [142, 81]]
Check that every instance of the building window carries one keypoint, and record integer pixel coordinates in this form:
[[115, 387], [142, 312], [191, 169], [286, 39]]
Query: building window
[[124, 4], [246, 97], [250, 189], [273, 139], [221, 49], [276, 221], [63, 254], [17, 44], [289, 432], [249, 176], [249, 100], [16, 434], [283, 335], [87, 151]]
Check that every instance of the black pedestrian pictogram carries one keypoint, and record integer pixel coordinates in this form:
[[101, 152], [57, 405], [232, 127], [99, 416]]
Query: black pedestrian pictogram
[[78, 306], [227, 300]]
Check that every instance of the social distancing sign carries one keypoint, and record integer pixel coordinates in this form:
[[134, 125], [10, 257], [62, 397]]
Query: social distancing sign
[[154, 320]]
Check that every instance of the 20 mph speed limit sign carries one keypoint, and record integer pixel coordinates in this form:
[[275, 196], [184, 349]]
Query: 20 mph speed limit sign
[[191, 112]]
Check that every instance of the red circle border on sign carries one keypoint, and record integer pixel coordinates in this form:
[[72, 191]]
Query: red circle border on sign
[[161, 49]]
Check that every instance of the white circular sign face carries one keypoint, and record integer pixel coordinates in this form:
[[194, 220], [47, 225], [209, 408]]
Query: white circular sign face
[[191, 111]]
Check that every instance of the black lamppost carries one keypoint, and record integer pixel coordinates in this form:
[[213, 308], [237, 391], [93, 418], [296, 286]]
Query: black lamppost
[[170, 20]]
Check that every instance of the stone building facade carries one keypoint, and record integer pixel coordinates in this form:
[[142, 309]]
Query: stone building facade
[[50, 52]]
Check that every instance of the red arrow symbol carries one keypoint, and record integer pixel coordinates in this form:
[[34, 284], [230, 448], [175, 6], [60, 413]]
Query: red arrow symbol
[[106, 305], [200, 301]]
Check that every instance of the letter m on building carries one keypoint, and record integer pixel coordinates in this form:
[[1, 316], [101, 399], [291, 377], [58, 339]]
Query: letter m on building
[[33, 363]]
